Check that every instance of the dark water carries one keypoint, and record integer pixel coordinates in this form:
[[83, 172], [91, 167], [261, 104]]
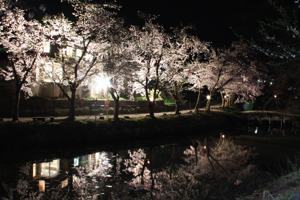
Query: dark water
[[211, 168]]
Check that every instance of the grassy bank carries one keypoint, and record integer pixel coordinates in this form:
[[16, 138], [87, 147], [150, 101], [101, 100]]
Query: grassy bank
[[82, 133]]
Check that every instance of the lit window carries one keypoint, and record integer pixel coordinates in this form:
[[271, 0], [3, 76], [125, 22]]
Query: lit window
[[89, 57], [79, 52], [57, 72], [69, 51], [50, 169], [46, 47], [37, 73], [48, 72]]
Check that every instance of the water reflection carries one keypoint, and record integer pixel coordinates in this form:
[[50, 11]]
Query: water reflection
[[200, 169]]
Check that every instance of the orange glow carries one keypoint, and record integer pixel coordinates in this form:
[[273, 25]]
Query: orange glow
[[64, 183], [42, 186]]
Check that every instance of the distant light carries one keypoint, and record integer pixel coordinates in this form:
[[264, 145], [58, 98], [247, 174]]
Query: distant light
[[109, 186], [76, 162], [271, 83], [223, 136], [204, 147], [275, 96], [208, 97]]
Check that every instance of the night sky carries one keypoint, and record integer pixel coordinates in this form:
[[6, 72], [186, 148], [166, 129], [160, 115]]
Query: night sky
[[213, 20]]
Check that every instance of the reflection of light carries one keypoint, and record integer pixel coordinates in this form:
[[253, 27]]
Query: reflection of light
[[42, 186], [50, 169], [256, 130], [98, 163], [76, 162], [208, 97], [64, 183], [33, 170], [99, 84]]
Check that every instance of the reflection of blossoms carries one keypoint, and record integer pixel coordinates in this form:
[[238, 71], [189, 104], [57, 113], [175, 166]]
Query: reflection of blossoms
[[102, 165], [208, 172], [24, 187], [137, 165], [90, 179]]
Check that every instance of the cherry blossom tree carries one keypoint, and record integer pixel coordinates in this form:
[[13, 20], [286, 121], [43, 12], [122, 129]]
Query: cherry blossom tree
[[198, 74], [181, 50], [243, 82], [87, 39], [22, 39], [174, 76], [148, 50], [221, 69], [119, 67], [244, 87]]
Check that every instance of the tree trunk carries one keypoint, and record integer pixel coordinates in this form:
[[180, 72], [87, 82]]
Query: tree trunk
[[116, 105], [208, 103], [72, 105], [228, 101], [223, 100], [17, 104], [151, 109], [177, 107], [116, 109], [196, 110]]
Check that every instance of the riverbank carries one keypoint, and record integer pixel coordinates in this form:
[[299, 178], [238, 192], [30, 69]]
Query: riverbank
[[57, 134], [286, 187]]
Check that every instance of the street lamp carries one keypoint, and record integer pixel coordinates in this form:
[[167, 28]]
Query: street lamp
[[100, 85]]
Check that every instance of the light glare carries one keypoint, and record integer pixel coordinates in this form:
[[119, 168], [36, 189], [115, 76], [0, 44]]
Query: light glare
[[99, 84]]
